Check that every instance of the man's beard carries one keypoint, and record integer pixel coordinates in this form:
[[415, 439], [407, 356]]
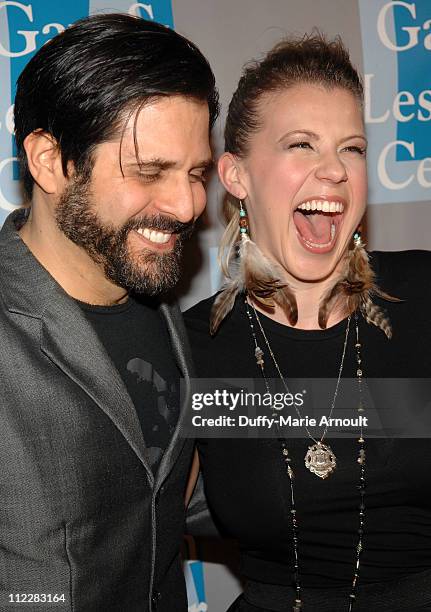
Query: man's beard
[[147, 272]]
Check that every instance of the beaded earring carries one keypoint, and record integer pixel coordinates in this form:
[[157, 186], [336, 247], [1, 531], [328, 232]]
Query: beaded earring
[[357, 239], [243, 220]]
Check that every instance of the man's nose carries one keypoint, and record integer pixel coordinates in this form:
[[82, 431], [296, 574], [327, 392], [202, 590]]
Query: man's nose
[[177, 200]]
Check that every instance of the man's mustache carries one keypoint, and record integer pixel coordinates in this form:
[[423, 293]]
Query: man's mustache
[[162, 224]]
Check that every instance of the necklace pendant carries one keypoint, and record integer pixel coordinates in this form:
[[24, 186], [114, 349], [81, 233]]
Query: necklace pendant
[[320, 460]]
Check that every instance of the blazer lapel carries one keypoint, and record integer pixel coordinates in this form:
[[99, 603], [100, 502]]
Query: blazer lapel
[[182, 354], [70, 341]]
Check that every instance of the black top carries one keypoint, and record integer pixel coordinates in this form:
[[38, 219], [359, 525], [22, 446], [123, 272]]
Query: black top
[[135, 337], [245, 479]]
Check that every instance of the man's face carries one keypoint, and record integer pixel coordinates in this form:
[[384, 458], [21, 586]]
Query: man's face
[[132, 219]]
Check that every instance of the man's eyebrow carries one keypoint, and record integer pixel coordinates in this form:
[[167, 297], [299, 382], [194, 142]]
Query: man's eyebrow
[[157, 163], [206, 165], [153, 163]]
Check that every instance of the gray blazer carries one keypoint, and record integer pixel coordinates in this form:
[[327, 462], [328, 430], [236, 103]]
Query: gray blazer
[[81, 515]]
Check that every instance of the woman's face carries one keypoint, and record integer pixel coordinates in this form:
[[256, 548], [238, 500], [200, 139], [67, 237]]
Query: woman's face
[[305, 178]]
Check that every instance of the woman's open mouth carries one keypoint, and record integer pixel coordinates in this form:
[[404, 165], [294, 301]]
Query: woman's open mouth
[[317, 223]]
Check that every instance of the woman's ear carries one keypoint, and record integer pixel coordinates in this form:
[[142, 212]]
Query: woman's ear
[[230, 176], [44, 161]]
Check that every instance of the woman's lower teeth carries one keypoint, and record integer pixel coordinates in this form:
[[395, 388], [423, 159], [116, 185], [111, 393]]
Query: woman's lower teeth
[[315, 245]]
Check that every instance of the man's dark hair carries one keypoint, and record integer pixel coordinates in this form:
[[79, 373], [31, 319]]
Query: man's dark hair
[[84, 83]]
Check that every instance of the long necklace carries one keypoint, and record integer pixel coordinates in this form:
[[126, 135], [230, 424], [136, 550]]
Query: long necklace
[[320, 459]]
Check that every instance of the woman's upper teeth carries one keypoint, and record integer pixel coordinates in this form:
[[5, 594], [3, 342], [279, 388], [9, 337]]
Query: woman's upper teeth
[[154, 236], [322, 205]]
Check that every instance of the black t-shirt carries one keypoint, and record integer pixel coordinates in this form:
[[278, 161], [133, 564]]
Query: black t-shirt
[[245, 479], [136, 339]]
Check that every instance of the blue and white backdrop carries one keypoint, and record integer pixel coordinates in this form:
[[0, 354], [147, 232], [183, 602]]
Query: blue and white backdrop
[[389, 41]]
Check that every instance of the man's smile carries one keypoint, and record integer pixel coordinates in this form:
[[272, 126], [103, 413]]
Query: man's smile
[[155, 239]]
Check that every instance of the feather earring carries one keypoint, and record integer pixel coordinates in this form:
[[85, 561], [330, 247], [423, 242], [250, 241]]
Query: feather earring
[[358, 286], [255, 275]]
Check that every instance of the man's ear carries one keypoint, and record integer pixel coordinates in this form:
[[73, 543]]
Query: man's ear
[[228, 170], [44, 161]]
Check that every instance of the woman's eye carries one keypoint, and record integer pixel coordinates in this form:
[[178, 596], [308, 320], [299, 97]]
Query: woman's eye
[[300, 145], [356, 149]]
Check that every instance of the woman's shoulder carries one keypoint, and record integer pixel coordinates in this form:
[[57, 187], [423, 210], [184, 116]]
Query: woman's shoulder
[[197, 320], [200, 312], [213, 355], [402, 271], [415, 259]]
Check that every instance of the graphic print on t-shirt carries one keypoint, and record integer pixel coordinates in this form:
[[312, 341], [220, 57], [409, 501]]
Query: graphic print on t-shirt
[[159, 399], [136, 338]]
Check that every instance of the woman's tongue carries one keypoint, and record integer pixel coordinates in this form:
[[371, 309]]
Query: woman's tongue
[[315, 227]]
